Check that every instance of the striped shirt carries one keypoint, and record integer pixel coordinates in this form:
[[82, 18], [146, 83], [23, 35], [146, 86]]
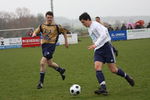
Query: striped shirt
[[50, 32]]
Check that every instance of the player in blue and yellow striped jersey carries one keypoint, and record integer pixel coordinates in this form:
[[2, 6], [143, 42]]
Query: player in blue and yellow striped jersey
[[50, 33]]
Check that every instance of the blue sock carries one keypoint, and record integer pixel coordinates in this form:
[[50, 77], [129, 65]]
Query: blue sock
[[42, 74], [101, 78], [121, 73]]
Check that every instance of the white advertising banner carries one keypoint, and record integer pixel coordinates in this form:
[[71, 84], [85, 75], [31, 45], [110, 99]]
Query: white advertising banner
[[138, 33], [72, 39], [15, 41], [10, 41], [6, 43], [1, 41]]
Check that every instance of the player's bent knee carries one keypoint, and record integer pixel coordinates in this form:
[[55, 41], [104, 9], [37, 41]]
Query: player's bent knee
[[42, 63], [50, 65], [113, 70], [97, 67]]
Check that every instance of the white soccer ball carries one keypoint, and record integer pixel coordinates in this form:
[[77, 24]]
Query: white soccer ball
[[75, 89]]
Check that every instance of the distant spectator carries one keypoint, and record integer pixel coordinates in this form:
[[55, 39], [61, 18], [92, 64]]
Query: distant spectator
[[98, 19], [130, 27], [148, 26], [30, 32], [106, 24], [110, 28], [117, 29], [123, 27], [138, 26]]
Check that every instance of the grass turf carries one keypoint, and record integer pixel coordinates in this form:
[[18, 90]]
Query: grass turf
[[19, 73]]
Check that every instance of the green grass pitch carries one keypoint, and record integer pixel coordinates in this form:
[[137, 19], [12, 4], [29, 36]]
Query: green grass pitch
[[19, 73]]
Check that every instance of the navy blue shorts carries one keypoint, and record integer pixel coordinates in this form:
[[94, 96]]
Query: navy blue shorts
[[48, 50], [105, 54]]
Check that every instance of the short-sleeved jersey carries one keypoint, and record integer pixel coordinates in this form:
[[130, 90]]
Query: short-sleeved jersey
[[49, 33]]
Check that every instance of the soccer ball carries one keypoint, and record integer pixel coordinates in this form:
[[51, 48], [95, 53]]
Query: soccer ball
[[75, 89]]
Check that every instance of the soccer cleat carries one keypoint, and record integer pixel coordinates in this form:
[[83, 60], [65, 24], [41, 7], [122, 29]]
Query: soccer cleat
[[63, 77], [62, 74], [62, 71], [101, 91], [130, 80], [40, 85]]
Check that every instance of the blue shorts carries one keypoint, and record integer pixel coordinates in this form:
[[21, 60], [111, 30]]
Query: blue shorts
[[105, 54], [48, 50]]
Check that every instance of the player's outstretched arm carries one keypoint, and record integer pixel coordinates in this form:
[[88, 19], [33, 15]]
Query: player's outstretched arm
[[66, 40], [34, 34], [36, 31]]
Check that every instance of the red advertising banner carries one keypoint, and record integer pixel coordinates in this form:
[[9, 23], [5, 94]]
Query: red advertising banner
[[30, 41]]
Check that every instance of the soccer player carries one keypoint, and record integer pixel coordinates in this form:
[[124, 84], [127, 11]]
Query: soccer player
[[99, 21], [103, 52], [50, 32]]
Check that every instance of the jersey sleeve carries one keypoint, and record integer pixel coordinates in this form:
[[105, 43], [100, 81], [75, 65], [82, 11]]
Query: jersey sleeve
[[37, 30], [62, 30]]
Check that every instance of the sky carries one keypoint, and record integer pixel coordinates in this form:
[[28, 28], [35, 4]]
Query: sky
[[73, 8]]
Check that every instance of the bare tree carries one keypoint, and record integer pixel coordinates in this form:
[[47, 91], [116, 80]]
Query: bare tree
[[23, 12]]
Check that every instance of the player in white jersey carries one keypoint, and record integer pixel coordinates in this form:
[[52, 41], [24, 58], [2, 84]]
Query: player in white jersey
[[97, 19], [103, 52]]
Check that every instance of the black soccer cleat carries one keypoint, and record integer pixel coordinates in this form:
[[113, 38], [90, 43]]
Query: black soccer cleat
[[130, 80], [63, 77], [40, 85], [62, 71], [102, 91], [62, 74]]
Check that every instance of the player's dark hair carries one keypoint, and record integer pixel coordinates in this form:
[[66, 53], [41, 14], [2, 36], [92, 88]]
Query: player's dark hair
[[49, 13], [84, 16], [97, 17]]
